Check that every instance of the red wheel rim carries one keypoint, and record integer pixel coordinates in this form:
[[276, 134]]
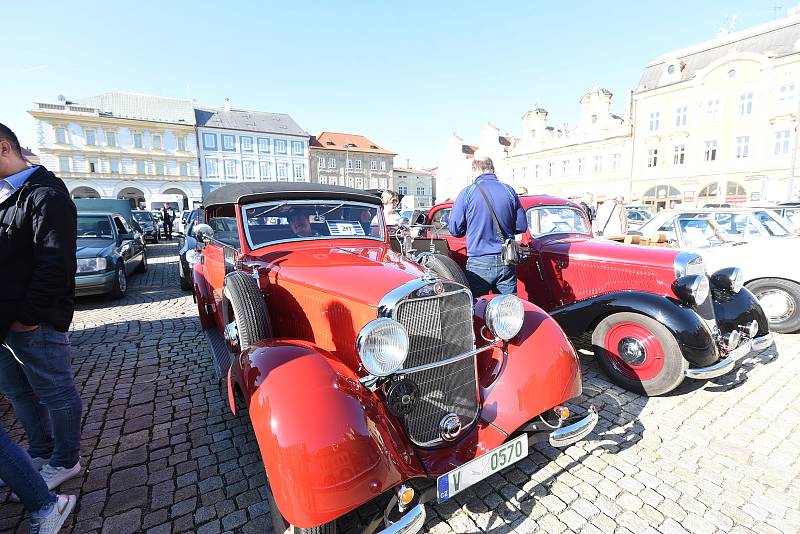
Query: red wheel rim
[[634, 351]]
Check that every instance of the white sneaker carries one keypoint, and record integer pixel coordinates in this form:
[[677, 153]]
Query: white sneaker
[[54, 476], [55, 519], [37, 463]]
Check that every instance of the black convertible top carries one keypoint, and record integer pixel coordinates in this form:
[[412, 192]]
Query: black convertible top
[[255, 191]]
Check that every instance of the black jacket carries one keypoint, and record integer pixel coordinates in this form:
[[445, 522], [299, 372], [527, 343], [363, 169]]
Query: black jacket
[[37, 254]]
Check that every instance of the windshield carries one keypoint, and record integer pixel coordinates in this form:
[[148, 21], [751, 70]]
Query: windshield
[[793, 216], [556, 220], [280, 221], [772, 223], [701, 233], [142, 216], [94, 226]]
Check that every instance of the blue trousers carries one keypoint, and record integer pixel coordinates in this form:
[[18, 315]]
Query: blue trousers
[[488, 273], [17, 470], [36, 376]]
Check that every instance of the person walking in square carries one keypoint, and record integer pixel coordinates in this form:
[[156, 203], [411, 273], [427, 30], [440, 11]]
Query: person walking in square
[[37, 300], [472, 216], [168, 220]]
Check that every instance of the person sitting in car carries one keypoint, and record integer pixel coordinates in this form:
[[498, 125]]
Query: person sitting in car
[[300, 224]]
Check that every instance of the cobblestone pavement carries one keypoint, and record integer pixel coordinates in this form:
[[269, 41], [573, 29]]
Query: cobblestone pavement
[[163, 454]]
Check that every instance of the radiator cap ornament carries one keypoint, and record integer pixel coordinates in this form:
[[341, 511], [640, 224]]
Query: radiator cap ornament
[[450, 427]]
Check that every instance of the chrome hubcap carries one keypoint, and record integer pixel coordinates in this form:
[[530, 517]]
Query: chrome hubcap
[[123, 281], [632, 351], [778, 305]]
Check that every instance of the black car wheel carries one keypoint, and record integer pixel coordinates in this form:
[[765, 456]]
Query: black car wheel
[[183, 276], [142, 268], [120, 282], [780, 300], [281, 526]]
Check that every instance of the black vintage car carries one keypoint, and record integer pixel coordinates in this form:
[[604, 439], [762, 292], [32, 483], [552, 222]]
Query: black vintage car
[[148, 224]]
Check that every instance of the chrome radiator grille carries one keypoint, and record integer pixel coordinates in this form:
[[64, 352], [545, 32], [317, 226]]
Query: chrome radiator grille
[[439, 327]]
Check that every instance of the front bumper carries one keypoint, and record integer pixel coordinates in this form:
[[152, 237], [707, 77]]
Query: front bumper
[[575, 431], [94, 284], [762, 342], [723, 366], [411, 522]]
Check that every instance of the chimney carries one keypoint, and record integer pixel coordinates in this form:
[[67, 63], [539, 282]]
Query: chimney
[[227, 104], [408, 163]]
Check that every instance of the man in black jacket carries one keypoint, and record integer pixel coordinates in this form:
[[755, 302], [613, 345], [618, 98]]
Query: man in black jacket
[[37, 299]]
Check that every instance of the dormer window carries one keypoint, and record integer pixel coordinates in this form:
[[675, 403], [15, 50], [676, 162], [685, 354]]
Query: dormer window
[[671, 69], [732, 73], [594, 119]]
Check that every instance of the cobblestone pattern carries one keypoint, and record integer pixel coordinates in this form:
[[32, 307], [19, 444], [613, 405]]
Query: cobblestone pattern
[[162, 453]]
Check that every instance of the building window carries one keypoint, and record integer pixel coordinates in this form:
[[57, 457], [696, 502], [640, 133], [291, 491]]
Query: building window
[[247, 169], [403, 190], [373, 165], [331, 163], [598, 163], [615, 157], [184, 168], [160, 168], [550, 169], [349, 163], [655, 119], [564, 167], [297, 148], [209, 141], [114, 165], [359, 182], [680, 116], [358, 164], [247, 144], [157, 142], [321, 163], [421, 190], [63, 163], [712, 110], [652, 157], [61, 136], [581, 162], [711, 151], [679, 155], [212, 167], [140, 167], [263, 145], [91, 137], [323, 179], [536, 171], [298, 172], [282, 170], [786, 93], [383, 165], [746, 104], [182, 142], [263, 170], [230, 168], [228, 142], [111, 139], [93, 166], [280, 146], [742, 146], [782, 142]]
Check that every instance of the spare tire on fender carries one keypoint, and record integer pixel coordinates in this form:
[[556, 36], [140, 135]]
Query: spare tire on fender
[[444, 267], [244, 297]]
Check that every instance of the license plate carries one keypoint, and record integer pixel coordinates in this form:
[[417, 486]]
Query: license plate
[[476, 470]]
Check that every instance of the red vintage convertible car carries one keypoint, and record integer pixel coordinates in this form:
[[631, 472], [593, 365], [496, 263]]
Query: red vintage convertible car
[[367, 376], [655, 316]]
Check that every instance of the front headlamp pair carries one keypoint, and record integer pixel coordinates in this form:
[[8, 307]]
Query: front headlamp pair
[[729, 279]]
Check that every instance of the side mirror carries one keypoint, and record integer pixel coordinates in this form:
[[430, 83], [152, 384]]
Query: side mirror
[[203, 233], [126, 237]]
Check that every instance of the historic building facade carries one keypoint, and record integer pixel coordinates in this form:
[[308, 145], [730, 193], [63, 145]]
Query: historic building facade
[[717, 122], [237, 145], [593, 156], [121, 145], [350, 160], [417, 183]]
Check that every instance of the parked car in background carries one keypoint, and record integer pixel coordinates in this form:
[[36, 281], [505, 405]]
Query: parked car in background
[[159, 219], [655, 316], [790, 211], [186, 243], [755, 241], [148, 225], [108, 251], [636, 217], [361, 369]]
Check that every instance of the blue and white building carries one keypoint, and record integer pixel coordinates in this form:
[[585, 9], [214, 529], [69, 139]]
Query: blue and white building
[[237, 145]]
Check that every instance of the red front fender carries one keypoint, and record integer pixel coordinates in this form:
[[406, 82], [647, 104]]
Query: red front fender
[[541, 370], [327, 443]]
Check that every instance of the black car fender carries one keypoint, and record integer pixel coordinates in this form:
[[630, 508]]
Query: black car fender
[[735, 310], [692, 334]]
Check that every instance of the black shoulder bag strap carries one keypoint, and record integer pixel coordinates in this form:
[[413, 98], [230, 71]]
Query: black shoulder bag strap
[[500, 233]]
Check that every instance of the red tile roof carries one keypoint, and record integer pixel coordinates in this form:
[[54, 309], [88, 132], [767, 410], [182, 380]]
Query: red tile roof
[[337, 141]]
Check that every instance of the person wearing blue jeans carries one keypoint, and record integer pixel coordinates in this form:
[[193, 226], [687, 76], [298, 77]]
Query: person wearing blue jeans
[[471, 216], [38, 234], [48, 510]]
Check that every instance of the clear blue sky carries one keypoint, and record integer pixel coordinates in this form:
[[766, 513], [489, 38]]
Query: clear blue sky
[[406, 74]]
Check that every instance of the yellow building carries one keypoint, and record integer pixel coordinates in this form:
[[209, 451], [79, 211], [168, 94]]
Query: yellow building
[[717, 122]]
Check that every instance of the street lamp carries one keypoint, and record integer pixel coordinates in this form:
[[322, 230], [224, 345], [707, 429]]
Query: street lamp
[[347, 148]]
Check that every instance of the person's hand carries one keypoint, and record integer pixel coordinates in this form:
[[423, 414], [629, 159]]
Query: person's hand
[[17, 326]]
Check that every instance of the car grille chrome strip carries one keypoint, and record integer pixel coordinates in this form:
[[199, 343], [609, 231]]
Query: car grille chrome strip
[[440, 328]]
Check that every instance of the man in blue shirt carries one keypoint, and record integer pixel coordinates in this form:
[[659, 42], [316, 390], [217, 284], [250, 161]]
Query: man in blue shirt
[[470, 216]]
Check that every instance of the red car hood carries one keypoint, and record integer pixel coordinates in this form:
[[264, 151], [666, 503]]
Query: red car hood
[[612, 251]]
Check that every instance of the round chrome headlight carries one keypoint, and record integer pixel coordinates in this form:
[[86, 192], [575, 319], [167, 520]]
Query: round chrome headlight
[[692, 289], [383, 346], [192, 257], [729, 279], [504, 316]]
